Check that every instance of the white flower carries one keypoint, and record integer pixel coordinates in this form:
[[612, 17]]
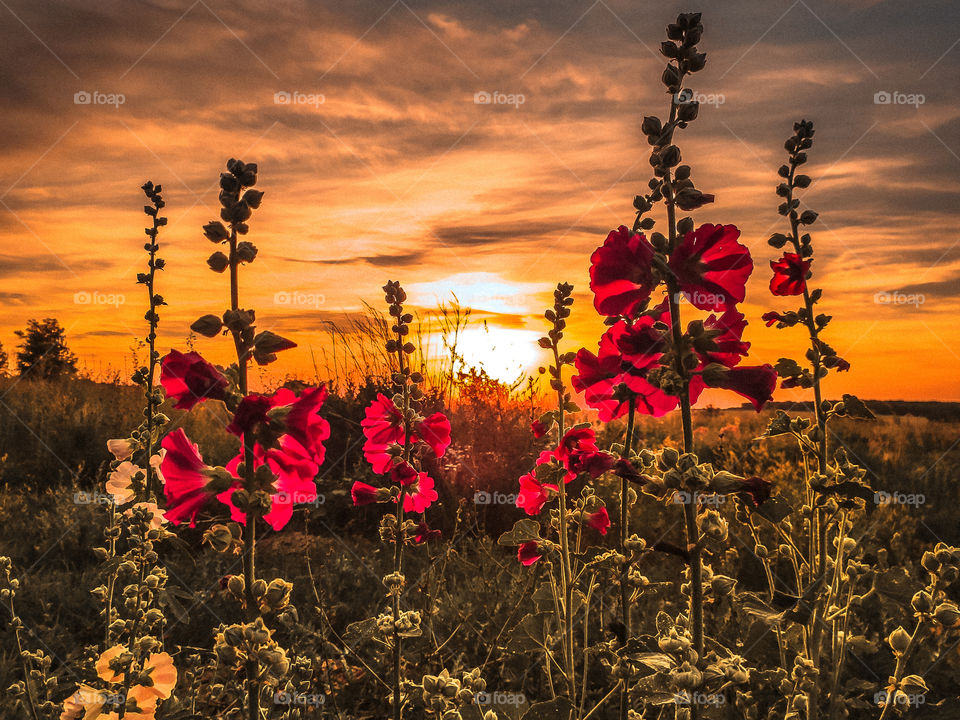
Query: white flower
[[121, 448], [120, 482]]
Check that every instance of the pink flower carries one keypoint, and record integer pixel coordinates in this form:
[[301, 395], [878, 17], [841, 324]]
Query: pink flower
[[539, 429], [363, 494], [596, 463], [295, 471], [185, 478], [728, 348], [599, 520], [404, 474], [621, 273], [420, 495], [303, 421], [383, 427], [711, 267], [529, 553], [189, 379], [251, 411]]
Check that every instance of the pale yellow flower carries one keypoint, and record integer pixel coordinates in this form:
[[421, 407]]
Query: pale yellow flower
[[103, 664], [120, 482], [121, 448], [85, 704]]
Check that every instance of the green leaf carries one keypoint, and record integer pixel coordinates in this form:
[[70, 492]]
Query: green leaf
[[523, 531]]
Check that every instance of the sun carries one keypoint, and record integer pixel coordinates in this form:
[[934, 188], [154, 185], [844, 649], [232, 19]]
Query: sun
[[505, 354]]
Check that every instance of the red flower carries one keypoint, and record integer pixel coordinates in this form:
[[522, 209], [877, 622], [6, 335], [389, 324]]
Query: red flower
[[599, 520], [728, 347], [772, 317], [383, 427], [539, 429], [425, 534], [575, 440], [529, 552], [621, 273], [533, 494], [404, 474], [189, 379], [363, 494], [639, 344], [435, 432], [711, 267], [295, 471], [303, 421], [755, 383], [185, 478], [756, 490], [589, 461], [251, 411], [420, 494], [789, 275]]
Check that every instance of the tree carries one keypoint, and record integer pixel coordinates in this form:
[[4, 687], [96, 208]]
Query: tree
[[3, 360], [43, 351]]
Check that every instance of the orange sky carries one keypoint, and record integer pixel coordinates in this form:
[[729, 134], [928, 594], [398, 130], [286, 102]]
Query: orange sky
[[383, 166]]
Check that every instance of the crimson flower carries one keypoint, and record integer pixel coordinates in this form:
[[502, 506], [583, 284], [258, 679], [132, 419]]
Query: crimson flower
[[596, 463], [599, 520], [529, 552], [189, 379], [539, 429], [303, 422], [533, 494], [424, 533], [728, 347], [251, 411], [756, 490], [185, 478], [621, 273], [363, 494], [383, 427], [295, 471], [420, 494], [756, 383], [711, 267], [789, 275], [772, 317]]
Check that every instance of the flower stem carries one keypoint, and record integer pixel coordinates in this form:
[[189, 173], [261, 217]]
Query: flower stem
[[624, 534]]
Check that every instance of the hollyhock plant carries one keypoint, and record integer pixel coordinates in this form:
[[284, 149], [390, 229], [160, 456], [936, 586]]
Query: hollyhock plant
[[188, 379], [711, 267], [621, 273], [186, 479], [599, 520], [363, 494], [789, 274], [383, 428]]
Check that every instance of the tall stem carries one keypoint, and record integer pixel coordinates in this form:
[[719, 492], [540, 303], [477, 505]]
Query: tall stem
[[398, 538], [250, 533], [624, 534], [566, 574]]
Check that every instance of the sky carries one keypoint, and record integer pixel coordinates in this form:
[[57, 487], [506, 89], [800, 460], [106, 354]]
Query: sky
[[380, 159]]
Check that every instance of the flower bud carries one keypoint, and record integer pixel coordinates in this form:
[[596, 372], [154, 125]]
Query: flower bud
[[899, 640]]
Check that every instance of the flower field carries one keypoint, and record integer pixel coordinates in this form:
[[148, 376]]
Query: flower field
[[421, 540]]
